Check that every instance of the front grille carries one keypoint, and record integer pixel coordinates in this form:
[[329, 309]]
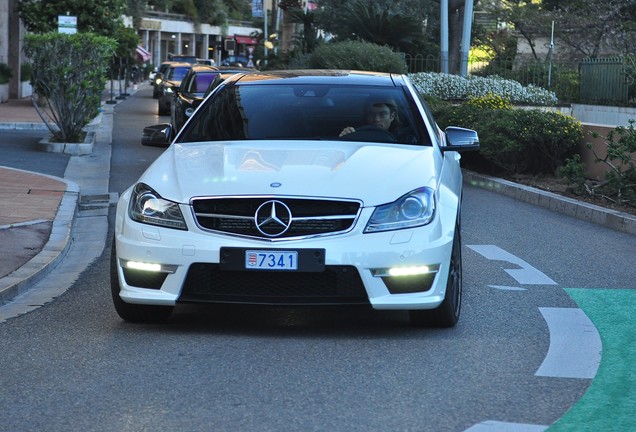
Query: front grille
[[335, 285], [308, 217]]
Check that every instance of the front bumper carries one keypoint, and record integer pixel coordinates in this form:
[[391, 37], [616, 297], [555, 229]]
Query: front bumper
[[356, 272]]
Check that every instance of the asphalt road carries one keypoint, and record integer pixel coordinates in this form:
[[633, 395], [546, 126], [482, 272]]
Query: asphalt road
[[74, 365]]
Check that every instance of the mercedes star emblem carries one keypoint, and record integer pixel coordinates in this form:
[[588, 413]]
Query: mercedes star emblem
[[273, 218]]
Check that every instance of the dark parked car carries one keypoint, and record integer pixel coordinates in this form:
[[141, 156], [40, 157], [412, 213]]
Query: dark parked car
[[235, 60], [158, 78], [171, 80], [190, 93], [186, 100]]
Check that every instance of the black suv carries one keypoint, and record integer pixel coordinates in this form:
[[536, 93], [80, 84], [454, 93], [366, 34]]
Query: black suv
[[190, 93], [171, 82]]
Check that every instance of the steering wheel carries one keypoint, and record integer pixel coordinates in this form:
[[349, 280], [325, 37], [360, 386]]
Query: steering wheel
[[370, 133]]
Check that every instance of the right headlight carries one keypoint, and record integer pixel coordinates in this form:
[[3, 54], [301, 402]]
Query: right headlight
[[146, 206], [414, 209]]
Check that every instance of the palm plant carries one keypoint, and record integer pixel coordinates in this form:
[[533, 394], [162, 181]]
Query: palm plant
[[380, 26]]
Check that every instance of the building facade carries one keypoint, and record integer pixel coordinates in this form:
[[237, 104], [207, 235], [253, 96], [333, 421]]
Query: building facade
[[160, 34], [164, 34]]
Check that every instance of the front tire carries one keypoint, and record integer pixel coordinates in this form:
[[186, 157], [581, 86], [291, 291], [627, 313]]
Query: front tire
[[133, 312], [447, 313]]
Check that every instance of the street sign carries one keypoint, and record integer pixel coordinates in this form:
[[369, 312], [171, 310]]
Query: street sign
[[67, 24]]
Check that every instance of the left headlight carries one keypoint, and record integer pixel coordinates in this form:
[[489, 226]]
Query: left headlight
[[146, 206], [414, 209]]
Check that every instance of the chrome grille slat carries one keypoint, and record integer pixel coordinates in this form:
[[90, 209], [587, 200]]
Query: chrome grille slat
[[310, 217]]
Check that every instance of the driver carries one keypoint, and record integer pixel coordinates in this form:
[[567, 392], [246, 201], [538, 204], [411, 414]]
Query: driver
[[382, 115]]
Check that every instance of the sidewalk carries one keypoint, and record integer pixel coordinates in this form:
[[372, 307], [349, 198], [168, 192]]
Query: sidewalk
[[38, 212], [20, 114]]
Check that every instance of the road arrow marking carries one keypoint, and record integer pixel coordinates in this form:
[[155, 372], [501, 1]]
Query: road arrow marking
[[525, 275]]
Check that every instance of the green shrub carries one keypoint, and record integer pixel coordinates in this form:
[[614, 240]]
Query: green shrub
[[25, 72], [72, 84], [5, 73], [515, 141], [567, 84], [574, 172], [489, 101], [356, 55], [619, 184]]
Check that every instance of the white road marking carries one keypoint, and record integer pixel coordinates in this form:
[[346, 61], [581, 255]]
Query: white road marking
[[526, 275], [575, 345], [507, 288], [497, 426]]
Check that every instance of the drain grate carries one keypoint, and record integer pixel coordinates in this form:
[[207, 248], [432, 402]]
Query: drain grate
[[93, 202]]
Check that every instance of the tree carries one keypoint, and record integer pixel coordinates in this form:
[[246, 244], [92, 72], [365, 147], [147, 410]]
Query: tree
[[589, 28], [69, 72], [101, 17], [595, 26], [528, 19], [425, 12], [215, 12], [307, 39], [399, 25], [378, 25]]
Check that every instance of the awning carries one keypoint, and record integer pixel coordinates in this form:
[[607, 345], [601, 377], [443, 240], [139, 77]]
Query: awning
[[246, 40], [143, 54]]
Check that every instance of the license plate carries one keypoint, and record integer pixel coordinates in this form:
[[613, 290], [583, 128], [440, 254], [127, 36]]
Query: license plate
[[296, 260], [271, 260]]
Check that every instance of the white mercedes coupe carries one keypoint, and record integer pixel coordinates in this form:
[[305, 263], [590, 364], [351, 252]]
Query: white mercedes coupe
[[298, 188]]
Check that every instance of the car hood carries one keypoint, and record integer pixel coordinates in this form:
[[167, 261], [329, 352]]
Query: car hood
[[373, 173]]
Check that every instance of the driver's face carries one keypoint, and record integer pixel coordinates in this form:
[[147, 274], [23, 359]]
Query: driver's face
[[380, 116]]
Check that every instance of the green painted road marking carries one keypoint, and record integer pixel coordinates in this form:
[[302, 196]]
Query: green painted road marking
[[610, 402]]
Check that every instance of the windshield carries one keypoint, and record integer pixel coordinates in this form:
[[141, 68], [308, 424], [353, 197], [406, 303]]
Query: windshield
[[177, 73], [282, 111]]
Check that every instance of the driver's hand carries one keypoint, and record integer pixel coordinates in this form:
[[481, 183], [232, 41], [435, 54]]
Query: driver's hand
[[347, 130]]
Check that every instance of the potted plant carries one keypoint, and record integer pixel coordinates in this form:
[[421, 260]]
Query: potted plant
[[68, 73]]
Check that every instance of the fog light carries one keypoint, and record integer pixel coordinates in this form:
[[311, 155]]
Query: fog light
[[406, 280], [405, 271], [143, 266], [149, 267], [409, 271]]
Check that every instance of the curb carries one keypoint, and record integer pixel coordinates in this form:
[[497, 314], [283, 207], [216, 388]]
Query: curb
[[53, 251], [608, 218], [23, 126], [65, 221]]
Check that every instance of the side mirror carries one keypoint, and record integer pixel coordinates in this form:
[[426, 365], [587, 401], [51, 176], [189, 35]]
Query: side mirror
[[157, 135], [460, 139], [170, 88]]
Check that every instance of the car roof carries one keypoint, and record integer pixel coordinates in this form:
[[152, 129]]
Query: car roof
[[203, 68], [180, 64], [320, 76]]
